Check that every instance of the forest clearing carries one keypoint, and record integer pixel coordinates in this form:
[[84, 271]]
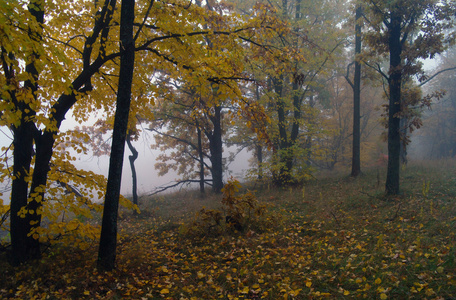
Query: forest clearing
[[295, 92], [334, 237]]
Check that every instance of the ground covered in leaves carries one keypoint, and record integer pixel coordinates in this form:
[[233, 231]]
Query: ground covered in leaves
[[335, 237]]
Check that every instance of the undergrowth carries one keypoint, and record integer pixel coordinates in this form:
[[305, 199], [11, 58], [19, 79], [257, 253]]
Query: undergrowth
[[338, 237]]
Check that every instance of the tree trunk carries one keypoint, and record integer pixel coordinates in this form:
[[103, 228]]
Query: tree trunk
[[285, 157], [259, 154], [394, 82], [356, 154], [216, 149], [403, 129], [308, 143], [24, 247], [134, 177], [201, 159], [108, 238], [23, 149]]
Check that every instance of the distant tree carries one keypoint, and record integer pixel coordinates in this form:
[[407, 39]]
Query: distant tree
[[356, 86], [404, 31], [180, 126], [437, 137], [289, 88]]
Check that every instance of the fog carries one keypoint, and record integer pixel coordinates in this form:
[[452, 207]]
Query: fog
[[147, 177]]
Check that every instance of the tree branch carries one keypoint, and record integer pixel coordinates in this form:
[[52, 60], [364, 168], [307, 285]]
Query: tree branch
[[436, 74], [188, 181]]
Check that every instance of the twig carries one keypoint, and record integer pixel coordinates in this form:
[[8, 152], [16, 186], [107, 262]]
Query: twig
[[367, 194], [397, 212], [335, 218]]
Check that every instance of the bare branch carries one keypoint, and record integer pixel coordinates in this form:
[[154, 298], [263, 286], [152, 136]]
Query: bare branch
[[188, 181]]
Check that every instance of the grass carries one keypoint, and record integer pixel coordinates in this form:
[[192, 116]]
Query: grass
[[338, 237]]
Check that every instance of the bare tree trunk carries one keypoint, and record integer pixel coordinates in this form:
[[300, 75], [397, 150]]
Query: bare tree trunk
[[216, 149], [108, 238], [259, 154], [356, 154], [201, 159], [395, 81], [134, 177]]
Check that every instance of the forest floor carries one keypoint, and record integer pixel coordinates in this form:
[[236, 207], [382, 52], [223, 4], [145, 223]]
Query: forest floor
[[334, 237]]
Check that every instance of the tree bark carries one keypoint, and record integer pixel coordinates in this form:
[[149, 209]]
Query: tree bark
[[134, 177], [284, 151], [356, 150], [403, 129], [216, 149], [394, 82], [24, 247], [23, 148], [201, 159], [259, 155], [108, 238]]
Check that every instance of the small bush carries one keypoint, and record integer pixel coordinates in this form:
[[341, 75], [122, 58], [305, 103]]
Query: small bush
[[240, 213]]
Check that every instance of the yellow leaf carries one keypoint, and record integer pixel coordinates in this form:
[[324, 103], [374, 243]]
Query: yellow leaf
[[378, 281], [308, 284], [245, 290], [164, 291], [86, 293], [383, 296]]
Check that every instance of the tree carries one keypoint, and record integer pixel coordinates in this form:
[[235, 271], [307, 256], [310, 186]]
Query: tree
[[291, 86], [406, 31], [108, 238], [42, 117], [356, 86], [180, 128], [23, 131], [437, 138]]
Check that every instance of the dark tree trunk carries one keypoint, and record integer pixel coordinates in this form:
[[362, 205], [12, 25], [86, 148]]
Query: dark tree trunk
[[201, 159], [356, 154], [44, 146], [134, 177], [259, 154], [108, 238], [23, 151], [308, 144], [216, 149], [24, 247], [394, 82], [403, 129], [284, 151]]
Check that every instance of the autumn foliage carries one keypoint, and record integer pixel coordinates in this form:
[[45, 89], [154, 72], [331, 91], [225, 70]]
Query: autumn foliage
[[339, 239]]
